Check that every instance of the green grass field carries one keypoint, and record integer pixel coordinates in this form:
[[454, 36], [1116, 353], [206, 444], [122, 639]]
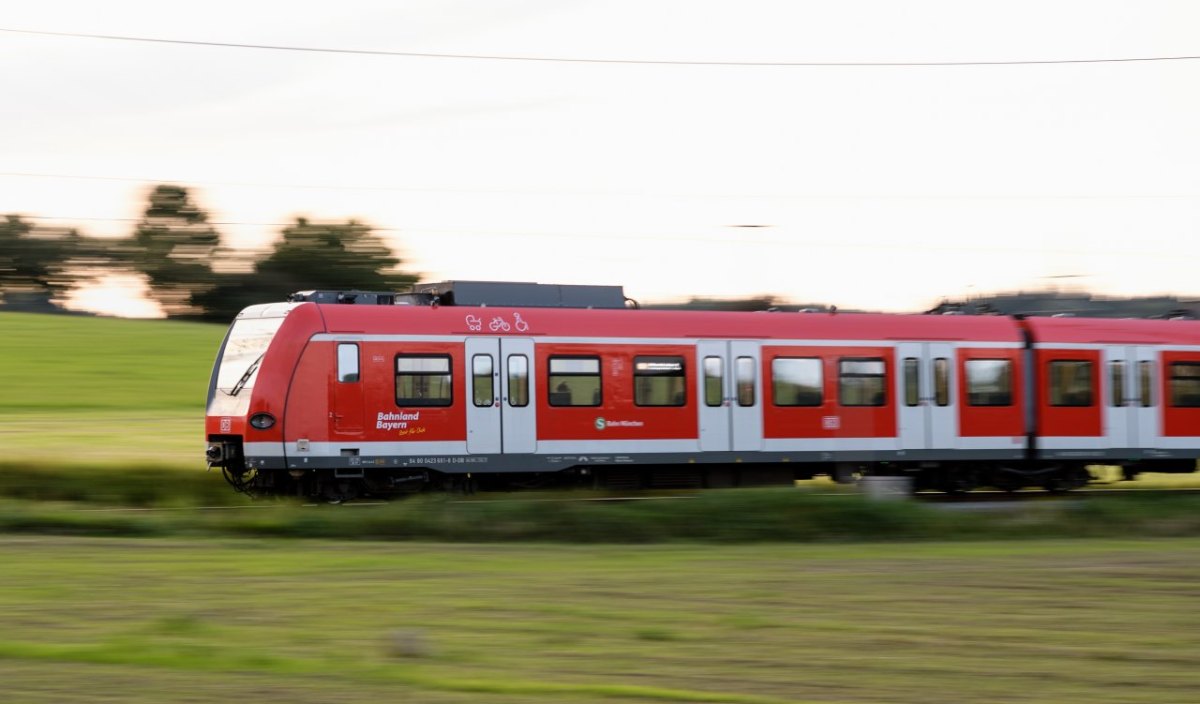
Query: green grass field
[[80, 390], [90, 620]]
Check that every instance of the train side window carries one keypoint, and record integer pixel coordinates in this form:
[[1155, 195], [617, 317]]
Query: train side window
[[796, 381], [1070, 382], [714, 381], [518, 380], [744, 372], [989, 382], [1146, 383], [347, 358], [941, 381], [1185, 384], [659, 381], [423, 380], [574, 381], [862, 382], [482, 381], [1116, 380], [912, 382]]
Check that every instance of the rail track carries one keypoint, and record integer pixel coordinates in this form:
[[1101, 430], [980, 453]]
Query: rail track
[[977, 497]]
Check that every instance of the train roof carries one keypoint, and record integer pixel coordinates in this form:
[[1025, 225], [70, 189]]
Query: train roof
[[1128, 331], [564, 322]]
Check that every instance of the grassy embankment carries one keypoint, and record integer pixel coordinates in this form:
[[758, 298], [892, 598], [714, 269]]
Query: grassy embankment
[[177, 620], [83, 396]]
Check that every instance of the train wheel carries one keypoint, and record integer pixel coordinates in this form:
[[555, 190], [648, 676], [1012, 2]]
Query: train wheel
[[960, 481], [338, 492]]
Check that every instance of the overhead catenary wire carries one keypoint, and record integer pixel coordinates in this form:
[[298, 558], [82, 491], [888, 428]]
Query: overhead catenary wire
[[593, 60], [617, 194]]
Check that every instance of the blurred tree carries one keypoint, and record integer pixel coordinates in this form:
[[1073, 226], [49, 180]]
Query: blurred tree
[[36, 262], [346, 256], [174, 247]]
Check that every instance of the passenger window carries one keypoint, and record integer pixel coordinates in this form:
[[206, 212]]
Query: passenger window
[[796, 381], [1185, 384], [482, 382], [714, 381], [989, 382], [518, 380], [1116, 380], [659, 381], [941, 381], [1146, 383], [347, 358], [1070, 383], [574, 381], [912, 382], [862, 382], [423, 380], [744, 370]]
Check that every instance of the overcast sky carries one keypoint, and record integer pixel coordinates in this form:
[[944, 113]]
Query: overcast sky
[[882, 187]]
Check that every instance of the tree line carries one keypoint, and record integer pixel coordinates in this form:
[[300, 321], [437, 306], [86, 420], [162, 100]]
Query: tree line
[[187, 267]]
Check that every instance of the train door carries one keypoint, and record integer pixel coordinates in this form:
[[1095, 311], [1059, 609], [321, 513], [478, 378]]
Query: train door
[[747, 404], [346, 407], [1130, 403], [483, 395], [1120, 397], [942, 418], [926, 419], [500, 412], [518, 389], [1148, 433], [912, 422], [715, 391]]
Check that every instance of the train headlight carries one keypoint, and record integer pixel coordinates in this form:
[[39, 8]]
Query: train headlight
[[262, 421]]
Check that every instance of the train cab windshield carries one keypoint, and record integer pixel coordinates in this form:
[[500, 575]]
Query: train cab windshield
[[240, 358]]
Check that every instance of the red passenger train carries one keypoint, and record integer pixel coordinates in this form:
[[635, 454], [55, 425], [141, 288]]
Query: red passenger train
[[490, 385]]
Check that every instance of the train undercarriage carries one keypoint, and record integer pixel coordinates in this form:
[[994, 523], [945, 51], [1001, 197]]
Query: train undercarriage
[[334, 485]]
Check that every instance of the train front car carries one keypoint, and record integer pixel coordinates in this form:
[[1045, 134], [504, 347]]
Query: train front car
[[247, 392]]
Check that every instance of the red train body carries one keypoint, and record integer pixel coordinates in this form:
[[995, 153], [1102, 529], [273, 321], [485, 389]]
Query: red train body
[[340, 399]]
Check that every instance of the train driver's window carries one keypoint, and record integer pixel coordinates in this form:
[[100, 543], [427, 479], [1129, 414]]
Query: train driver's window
[[714, 381], [1070, 382], [1185, 384], [482, 381], [423, 380], [989, 382], [574, 381], [744, 371], [941, 381], [862, 382], [659, 381], [347, 358], [518, 380], [1116, 382]]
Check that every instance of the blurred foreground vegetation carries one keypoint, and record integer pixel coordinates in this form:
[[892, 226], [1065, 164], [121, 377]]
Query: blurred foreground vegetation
[[723, 516]]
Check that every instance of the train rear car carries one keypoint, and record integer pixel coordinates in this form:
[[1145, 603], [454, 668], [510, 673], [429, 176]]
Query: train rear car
[[1117, 392]]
